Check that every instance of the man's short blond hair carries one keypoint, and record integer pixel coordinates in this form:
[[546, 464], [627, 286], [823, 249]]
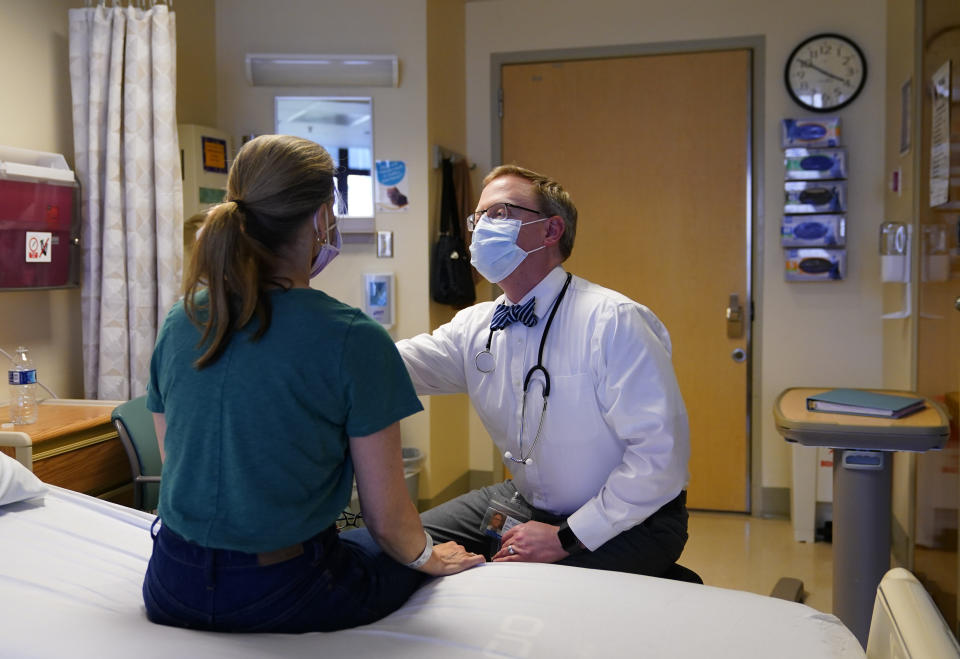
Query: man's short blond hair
[[554, 200]]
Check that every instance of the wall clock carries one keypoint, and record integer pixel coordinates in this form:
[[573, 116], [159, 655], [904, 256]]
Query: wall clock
[[825, 72]]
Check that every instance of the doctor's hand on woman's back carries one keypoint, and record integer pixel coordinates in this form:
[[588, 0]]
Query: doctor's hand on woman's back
[[389, 513]]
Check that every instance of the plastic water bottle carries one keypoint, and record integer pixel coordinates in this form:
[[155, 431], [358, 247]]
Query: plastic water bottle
[[23, 389]]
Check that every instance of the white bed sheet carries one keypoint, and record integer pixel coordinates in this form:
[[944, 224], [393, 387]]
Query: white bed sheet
[[71, 568]]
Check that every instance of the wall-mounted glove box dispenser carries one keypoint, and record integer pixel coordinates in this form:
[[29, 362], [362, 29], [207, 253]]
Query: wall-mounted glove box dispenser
[[814, 264], [814, 164], [813, 231], [815, 197], [810, 133]]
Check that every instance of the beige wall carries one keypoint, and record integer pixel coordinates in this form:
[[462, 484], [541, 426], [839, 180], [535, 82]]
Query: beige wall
[[899, 353], [213, 91], [196, 62], [805, 334], [400, 133], [36, 114], [899, 335], [446, 126]]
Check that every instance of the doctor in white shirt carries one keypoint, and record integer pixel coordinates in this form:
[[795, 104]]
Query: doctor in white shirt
[[599, 471]]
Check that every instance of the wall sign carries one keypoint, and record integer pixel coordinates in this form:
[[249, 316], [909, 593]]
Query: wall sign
[[940, 137], [214, 154], [393, 189], [38, 246]]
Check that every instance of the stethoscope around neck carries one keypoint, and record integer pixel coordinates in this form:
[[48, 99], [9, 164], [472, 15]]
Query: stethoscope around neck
[[486, 364]]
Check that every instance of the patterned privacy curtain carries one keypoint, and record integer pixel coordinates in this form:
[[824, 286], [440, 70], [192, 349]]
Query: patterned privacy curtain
[[123, 78]]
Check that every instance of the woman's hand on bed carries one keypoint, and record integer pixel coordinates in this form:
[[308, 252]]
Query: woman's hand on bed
[[450, 558], [530, 542]]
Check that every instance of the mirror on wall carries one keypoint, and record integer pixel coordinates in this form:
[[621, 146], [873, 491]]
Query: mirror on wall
[[344, 127]]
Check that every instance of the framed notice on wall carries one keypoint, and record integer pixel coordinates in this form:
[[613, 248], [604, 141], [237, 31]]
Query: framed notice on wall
[[214, 154], [940, 137]]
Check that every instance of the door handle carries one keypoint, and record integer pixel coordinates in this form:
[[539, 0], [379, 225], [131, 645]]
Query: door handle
[[734, 317]]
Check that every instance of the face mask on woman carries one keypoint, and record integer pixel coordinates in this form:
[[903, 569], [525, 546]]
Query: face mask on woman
[[328, 250], [493, 249]]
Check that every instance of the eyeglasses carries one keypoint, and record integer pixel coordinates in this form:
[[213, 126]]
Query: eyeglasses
[[496, 212]]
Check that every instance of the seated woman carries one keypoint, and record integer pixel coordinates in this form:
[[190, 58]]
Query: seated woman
[[267, 395]]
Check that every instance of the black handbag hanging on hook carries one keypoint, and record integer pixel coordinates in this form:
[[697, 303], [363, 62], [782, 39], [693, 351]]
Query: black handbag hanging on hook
[[451, 280]]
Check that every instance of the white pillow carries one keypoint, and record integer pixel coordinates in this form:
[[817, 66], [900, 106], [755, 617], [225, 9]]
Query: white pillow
[[17, 482]]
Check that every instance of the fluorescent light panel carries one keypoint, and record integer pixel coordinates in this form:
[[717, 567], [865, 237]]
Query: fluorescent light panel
[[290, 70]]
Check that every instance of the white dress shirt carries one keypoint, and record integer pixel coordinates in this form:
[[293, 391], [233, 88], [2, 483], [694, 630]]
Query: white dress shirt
[[615, 440]]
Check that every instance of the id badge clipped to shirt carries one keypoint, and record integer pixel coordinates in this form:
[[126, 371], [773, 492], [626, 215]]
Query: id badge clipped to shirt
[[502, 515]]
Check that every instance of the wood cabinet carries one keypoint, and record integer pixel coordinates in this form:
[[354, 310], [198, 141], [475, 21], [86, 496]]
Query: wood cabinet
[[73, 445]]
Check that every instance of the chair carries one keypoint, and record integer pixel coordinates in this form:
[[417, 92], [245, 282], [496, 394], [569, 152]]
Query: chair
[[678, 572], [134, 424]]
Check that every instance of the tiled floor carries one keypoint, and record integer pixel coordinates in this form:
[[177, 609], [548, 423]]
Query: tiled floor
[[752, 554]]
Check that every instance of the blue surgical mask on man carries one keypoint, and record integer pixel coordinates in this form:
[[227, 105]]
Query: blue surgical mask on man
[[493, 249]]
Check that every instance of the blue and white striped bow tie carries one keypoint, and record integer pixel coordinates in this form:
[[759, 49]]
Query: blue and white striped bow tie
[[504, 315]]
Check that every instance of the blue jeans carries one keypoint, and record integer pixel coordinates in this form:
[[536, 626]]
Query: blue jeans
[[333, 583]]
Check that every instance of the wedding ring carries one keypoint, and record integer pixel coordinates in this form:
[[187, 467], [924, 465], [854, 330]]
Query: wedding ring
[[510, 550]]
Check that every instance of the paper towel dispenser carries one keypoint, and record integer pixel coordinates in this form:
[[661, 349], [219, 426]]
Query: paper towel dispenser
[[934, 253], [895, 261]]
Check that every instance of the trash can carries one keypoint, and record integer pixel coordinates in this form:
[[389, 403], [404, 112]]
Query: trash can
[[412, 459]]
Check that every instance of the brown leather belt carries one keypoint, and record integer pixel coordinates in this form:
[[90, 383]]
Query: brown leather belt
[[279, 555]]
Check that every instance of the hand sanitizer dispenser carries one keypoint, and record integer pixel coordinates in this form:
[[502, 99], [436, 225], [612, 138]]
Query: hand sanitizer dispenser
[[894, 252], [895, 262], [378, 297]]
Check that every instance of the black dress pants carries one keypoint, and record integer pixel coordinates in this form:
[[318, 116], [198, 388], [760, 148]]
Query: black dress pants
[[649, 548]]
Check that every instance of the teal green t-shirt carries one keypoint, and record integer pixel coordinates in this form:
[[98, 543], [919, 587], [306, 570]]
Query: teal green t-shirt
[[257, 443]]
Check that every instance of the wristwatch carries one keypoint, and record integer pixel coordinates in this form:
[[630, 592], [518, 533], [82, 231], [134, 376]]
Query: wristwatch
[[568, 539]]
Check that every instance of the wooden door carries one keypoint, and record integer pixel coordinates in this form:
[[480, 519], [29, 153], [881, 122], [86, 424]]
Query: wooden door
[[654, 151]]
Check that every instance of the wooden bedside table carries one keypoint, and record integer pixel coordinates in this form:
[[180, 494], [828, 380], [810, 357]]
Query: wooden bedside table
[[73, 445]]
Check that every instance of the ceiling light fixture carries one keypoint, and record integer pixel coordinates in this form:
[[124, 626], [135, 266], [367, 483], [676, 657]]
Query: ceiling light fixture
[[292, 70]]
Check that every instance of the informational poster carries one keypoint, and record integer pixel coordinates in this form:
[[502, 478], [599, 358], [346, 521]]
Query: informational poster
[[940, 137], [214, 154], [393, 192]]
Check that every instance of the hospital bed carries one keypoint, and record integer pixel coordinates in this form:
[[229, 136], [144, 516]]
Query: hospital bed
[[71, 568]]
